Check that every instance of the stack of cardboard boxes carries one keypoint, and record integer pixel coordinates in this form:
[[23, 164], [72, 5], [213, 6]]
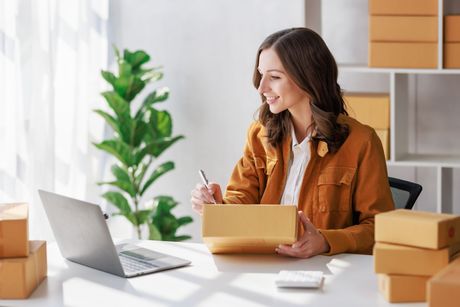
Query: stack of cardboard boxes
[[23, 263], [373, 110], [452, 41], [411, 247], [403, 33]]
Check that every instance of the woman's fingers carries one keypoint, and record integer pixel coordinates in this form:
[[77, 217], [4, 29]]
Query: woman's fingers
[[216, 192]]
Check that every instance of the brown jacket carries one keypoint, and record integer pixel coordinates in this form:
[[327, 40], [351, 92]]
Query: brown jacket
[[340, 194]]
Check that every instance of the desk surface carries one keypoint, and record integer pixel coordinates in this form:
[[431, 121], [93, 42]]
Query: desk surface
[[211, 280]]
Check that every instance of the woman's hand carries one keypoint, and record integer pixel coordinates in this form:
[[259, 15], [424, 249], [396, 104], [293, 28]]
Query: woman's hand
[[310, 244], [201, 195]]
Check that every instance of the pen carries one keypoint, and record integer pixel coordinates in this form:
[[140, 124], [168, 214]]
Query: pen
[[206, 182]]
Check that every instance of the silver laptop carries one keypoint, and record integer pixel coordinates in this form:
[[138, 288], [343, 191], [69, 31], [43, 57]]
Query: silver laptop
[[83, 237]]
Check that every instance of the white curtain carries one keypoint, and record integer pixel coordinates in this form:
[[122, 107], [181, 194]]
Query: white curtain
[[51, 54]]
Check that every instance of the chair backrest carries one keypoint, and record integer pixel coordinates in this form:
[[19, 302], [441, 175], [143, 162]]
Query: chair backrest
[[405, 193]]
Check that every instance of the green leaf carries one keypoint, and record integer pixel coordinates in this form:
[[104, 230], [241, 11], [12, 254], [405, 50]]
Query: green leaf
[[156, 148], [184, 220], [180, 238], [159, 171], [109, 77], [136, 58], [109, 119], [160, 125], [124, 69], [118, 149], [119, 201], [122, 110], [159, 95], [140, 129], [122, 185], [142, 215], [154, 233], [135, 86]]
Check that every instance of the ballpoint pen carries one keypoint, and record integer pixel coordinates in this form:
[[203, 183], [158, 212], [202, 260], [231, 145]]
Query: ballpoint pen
[[206, 182]]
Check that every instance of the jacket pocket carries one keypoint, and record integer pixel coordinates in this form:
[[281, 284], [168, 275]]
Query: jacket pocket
[[334, 189], [267, 165]]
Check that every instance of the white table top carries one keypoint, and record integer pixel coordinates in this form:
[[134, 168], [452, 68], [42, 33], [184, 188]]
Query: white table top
[[211, 280]]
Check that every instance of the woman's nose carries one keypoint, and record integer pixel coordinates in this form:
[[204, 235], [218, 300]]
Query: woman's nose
[[262, 86]]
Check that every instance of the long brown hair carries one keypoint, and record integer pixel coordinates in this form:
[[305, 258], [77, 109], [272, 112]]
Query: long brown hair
[[310, 64]]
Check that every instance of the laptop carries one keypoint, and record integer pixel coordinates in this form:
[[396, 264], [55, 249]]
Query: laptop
[[83, 237]]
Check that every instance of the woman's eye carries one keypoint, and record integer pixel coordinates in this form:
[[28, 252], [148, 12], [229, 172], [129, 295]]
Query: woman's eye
[[274, 77]]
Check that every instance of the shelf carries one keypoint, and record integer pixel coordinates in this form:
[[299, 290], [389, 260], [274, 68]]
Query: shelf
[[427, 160], [362, 68]]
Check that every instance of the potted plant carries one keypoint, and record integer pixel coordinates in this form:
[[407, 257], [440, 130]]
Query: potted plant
[[140, 136]]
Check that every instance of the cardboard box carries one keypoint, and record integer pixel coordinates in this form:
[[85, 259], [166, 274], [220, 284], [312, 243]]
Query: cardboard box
[[403, 29], [452, 29], [417, 228], [403, 55], [371, 109], [384, 136], [403, 288], [248, 228], [444, 288], [451, 55], [14, 231], [403, 7], [406, 260], [20, 276]]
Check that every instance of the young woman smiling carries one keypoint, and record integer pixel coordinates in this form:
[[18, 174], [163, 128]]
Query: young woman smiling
[[305, 150]]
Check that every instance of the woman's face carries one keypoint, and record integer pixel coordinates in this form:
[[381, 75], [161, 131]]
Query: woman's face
[[280, 92]]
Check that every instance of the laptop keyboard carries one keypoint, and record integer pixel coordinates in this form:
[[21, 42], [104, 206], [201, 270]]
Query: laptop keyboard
[[131, 265]]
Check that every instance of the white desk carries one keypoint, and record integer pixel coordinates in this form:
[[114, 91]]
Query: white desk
[[211, 280]]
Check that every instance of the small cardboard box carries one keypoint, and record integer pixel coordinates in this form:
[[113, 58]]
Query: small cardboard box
[[403, 7], [248, 228], [403, 288], [371, 109], [444, 287], [20, 276], [452, 55], [384, 136], [417, 228], [403, 29], [452, 29], [406, 260], [14, 231], [403, 55]]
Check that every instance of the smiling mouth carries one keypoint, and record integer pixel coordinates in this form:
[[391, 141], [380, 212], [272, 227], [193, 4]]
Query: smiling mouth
[[271, 99]]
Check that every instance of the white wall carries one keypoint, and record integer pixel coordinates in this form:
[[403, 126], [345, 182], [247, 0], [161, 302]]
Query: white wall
[[207, 48]]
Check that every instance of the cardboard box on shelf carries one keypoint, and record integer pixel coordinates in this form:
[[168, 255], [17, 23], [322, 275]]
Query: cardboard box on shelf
[[14, 230], [371, 109], [403, 55], [403, 29], [248, 228], [417, 228], [403, 7], [384, 136], [20, 276], [443, 289], [452, 28], [451, 55], [406, 260], [402, 288]]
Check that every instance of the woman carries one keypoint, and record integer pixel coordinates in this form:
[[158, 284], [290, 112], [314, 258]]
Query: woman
[[305, 150]]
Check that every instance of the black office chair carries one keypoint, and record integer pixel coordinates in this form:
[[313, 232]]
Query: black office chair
[[405, 193]]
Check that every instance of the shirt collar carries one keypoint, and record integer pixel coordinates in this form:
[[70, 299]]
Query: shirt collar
[[294, 138]]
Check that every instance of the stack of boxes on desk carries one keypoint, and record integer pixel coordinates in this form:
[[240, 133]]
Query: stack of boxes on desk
[[403, 33], [416, 257], [373, 110], [452, 41], [23, 263]]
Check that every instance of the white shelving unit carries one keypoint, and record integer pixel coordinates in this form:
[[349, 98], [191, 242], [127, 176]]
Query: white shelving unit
[[403, 98]]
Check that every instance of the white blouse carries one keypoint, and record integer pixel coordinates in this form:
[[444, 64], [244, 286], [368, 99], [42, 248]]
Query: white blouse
[[297, 166]]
